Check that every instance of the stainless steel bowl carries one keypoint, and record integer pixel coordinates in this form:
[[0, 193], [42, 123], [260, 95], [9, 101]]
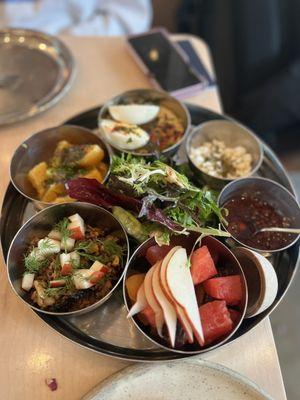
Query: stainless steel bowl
[[40, 225], [40, 147], [226, 260], [274, 193], [155, 97], [232, 134]]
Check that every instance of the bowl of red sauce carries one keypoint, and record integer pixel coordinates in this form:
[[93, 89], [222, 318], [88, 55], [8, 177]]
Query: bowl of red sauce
[[254, 203]]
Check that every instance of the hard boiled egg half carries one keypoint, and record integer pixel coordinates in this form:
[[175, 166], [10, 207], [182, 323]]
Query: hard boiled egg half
[[137, 114], [123, 135]]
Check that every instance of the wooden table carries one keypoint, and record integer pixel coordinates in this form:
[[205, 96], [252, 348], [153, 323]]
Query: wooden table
[[30, 350]]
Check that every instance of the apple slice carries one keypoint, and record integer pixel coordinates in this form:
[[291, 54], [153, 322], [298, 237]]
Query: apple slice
[[48, 246], [180, 283], [140, 304], [57, 283], [97, 266], [54, 234], [168, 309], [67, 244], [179, 310], [81, 279], [98, 271], [153, 303], [77, 227], [27, 281]]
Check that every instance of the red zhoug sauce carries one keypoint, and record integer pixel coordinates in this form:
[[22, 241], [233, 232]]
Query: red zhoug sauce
[[248, 213]]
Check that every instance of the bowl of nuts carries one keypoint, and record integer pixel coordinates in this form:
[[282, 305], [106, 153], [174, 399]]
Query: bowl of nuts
[[220, 151]]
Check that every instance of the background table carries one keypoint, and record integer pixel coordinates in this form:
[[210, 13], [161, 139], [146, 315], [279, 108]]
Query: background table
[[30, 350]]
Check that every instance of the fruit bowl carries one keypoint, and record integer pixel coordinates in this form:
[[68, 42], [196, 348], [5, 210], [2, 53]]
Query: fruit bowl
[[154, 283]]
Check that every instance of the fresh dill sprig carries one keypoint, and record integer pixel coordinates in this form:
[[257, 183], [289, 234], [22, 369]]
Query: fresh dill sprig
[[33, 263], [69, 287], [89, 250], [60, 172], [46, 245], [86, 246], [112, 248], [57, 267], [62, 228]]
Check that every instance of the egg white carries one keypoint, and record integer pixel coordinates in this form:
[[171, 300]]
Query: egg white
[[137, 114], [124, 136]]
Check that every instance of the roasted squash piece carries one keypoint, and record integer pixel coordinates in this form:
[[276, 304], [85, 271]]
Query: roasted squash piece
[[54, 190], [57, 156], [37, 176], [94, 154], [103, 168], [94, 174]]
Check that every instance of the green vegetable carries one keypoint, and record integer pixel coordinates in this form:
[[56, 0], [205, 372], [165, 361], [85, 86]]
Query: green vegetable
[[187, 205], [140, 174], [161, 237], [33, 262], [64, 172], [131, 224], [89, 250], [86, 246], [67, 289], [111, 248], [62, 228]]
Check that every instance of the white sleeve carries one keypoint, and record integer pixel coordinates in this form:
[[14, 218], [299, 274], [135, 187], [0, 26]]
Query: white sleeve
[[116, 17], [79, 17]]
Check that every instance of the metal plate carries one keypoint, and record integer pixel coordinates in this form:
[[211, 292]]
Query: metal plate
[[36, 70], [106, 329], [169, 381]]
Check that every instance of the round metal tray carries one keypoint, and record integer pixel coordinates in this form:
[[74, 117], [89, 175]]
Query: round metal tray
[[106, 329], [36, 70]]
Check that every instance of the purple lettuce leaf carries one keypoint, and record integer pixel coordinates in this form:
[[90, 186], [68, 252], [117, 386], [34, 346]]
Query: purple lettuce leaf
[[91, 191]]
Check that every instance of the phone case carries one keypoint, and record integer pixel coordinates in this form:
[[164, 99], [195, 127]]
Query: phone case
[[180, 93]]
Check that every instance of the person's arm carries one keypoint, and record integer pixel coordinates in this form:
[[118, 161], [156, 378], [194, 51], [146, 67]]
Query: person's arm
[[78, 17], [116, 17]]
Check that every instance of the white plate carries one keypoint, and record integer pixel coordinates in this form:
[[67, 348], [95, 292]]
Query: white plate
[[188, 380]]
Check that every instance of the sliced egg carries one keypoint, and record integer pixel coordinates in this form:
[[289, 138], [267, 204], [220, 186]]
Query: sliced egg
[[125, 136], [137, 114]]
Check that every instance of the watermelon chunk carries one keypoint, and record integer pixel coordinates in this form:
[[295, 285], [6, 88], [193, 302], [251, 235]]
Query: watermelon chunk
[[216, 321], [157, 253], [228, 288], [202, 265], [234, 315]]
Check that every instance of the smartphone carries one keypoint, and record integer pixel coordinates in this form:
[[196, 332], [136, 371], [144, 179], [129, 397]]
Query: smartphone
[[165, 63], [195, 61]]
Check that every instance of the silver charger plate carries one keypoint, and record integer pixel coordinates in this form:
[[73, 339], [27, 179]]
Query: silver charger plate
[[106, 330], [166, 381], [36, 70]]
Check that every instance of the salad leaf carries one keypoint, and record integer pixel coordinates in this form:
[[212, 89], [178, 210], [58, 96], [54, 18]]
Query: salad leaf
[[160, 196], [91, 191], [188, 205], [142, 175]]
